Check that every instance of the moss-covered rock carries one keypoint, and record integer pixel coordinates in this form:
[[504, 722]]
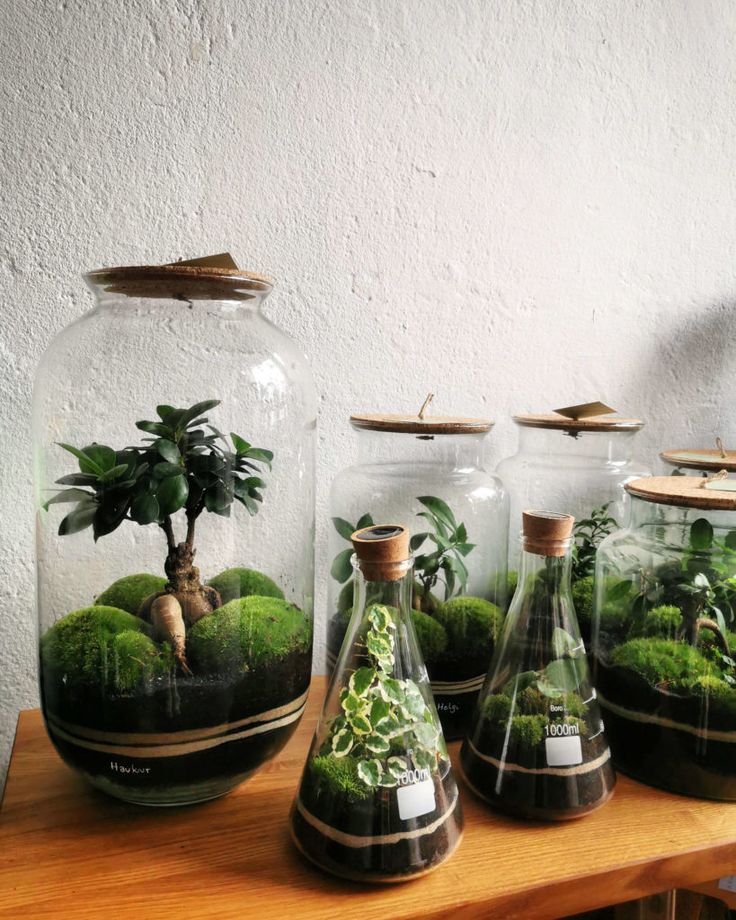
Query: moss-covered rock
[[246, 634], [129, 592], [338, 776], [236, 583], [431, 635], [472, 625], [711, 687], [104, 648], [663, 661]]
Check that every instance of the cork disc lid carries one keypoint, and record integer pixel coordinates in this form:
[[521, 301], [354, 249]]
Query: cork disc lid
[[428, 425], [701, 459], [682, 491], [546, 533], [381, 549], [592, 423], [179, 281]]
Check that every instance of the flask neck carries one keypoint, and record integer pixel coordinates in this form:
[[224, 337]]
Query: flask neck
[[548, 574], [393, 591]]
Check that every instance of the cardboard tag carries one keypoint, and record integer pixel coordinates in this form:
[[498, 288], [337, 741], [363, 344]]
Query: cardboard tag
[[219, 260], [585, 410], [727, 883], [720, 485]]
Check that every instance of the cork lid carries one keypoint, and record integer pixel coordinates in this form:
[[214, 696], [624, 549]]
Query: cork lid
[[704, 459], [546, 533], [429, 425], [382, 551], [200, 279], [709, 494], [554, 420]]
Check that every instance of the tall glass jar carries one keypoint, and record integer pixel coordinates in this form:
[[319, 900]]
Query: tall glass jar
[[174, 450], [430, 475], [664, 642], [578, 467]]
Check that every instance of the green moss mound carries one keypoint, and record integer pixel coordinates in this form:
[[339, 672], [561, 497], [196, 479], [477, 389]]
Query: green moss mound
[[583, 595], [105, 648], [128, 593], [507, 586], [528, 731], [246, 634], [472, 625], [663, 661], [497, 708], [431, 635], [662, 622], [338, 776], [236, 583]]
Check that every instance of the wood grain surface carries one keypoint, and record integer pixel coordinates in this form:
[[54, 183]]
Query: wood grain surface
[[67, 851]]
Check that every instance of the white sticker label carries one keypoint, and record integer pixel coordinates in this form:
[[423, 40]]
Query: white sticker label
[[728, 883], [564, 752], [415, 800]]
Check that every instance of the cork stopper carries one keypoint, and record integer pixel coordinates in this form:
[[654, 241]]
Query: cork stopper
[[179, 281], [547, 533], [383, 551]]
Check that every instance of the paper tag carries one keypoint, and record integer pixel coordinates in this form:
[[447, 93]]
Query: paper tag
[[727, 883], [721, 485], [564, 752], [416, 800], [585, 410], [220, 260]]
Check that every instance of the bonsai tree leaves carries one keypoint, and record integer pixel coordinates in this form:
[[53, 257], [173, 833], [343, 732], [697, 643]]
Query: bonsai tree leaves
[[183, 466]]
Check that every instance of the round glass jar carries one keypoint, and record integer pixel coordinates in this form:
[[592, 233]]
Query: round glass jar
[[429, 475], [578, 467], [174, 450], [664, 637]]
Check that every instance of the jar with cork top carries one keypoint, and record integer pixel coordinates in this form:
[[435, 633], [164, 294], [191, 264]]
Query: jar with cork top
[[174, 449], [705, 462], [664, 644], [537, 747], [576, 461], [430, 473], [378, 799]]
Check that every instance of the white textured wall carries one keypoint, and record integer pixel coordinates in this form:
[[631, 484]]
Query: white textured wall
[[517, 204]]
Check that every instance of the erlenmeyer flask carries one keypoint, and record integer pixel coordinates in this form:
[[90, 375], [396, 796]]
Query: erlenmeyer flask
[[537, 747], [378, 799]]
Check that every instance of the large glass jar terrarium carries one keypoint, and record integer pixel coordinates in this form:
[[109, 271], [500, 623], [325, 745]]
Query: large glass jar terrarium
[[664, 637], [173, 429], [573, 466], [429, 474]]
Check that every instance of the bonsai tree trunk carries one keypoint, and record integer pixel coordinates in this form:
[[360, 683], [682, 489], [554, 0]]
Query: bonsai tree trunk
[[196, 599]]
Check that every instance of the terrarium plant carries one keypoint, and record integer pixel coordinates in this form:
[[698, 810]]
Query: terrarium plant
[[588, 534], [184, 464]]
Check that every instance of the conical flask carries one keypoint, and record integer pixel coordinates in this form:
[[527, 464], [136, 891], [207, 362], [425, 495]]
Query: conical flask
[[537, 747], [378, 799]]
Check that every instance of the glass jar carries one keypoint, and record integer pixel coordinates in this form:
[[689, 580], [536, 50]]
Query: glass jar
[[578, 467], [174, 449], [700, 462], [429, 475], [664, 637]]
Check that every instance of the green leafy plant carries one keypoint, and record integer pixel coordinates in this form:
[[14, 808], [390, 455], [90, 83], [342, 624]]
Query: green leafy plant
[[445, 560], [183, 464], [588, 533], [385, 723]]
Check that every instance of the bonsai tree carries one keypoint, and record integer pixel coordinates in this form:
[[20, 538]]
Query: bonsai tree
[[183, 464]]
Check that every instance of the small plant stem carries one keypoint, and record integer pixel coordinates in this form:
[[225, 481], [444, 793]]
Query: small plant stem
[[169, 531]]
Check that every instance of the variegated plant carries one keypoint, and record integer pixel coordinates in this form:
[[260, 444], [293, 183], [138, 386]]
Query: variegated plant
[[385, 723]]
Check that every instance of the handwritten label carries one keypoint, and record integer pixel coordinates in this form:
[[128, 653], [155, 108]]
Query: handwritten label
[[130, 769]]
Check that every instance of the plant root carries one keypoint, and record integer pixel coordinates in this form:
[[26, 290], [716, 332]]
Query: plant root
[[168, 624]]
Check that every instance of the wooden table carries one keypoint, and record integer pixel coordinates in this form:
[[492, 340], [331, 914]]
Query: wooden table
[[67, 851]]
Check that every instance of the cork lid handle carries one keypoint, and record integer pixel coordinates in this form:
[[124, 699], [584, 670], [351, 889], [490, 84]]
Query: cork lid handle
[[381, 549], [547, 533]]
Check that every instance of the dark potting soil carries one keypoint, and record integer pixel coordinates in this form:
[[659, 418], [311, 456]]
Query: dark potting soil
[[540, 796], [121, 767], [373, 817], [671, 758]]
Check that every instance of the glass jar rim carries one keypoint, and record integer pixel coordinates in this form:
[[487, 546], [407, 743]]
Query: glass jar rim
[[556, 422]]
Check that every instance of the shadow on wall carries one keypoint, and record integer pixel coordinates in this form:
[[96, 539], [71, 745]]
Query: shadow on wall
[[693, 364]]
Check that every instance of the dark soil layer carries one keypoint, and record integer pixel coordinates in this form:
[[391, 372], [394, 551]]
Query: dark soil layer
[[377, 816], [671, 759], [171, 706], [538, 796]]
